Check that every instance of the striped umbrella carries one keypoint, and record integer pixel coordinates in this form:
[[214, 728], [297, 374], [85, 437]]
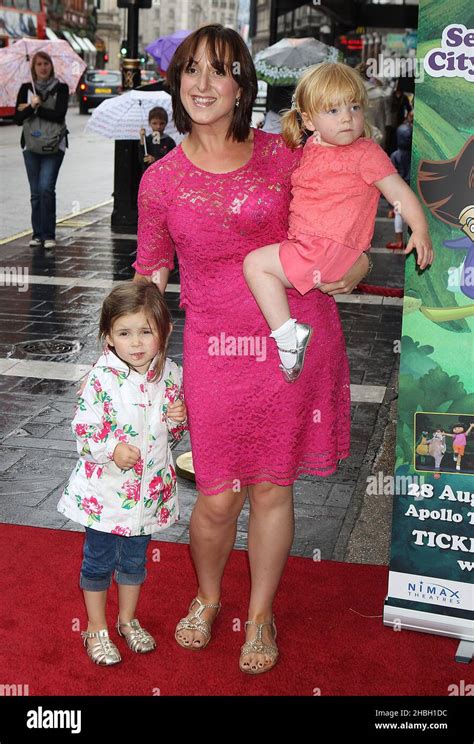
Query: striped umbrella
[[15, 66], [122, 117]]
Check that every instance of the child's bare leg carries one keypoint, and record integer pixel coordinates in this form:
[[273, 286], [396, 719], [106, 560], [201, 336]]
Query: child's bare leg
[[267, 281], [128, 595], [95, 605], [138, 639]]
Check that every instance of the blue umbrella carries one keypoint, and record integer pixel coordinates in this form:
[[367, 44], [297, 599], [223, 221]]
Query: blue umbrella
[[163, 48]]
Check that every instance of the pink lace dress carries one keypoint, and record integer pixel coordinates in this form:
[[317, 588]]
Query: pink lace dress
[[247, 425]]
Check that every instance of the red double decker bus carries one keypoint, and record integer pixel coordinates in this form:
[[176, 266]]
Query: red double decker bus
[[20, 18]]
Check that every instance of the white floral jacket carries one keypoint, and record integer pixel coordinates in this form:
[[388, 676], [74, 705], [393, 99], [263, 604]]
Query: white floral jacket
[[121, 405]]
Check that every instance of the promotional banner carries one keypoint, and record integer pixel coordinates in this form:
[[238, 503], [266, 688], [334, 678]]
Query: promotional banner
[[432, 559]]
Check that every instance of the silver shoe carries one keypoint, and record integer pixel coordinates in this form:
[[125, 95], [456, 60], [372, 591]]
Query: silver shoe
[[138, 640], [104, 652], [35, 243], [303, 337]]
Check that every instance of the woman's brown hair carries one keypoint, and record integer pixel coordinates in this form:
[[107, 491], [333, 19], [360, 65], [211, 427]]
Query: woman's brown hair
[[228, 54], [131, 297], [41, 55]]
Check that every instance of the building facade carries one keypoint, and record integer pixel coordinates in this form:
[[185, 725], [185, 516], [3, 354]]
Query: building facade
[[177, 15], [109, 33]]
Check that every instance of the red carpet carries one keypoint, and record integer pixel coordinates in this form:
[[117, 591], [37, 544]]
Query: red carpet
[[323, 644]]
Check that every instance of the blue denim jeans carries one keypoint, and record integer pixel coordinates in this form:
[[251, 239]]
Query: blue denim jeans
[[42, 173], [105, 553]]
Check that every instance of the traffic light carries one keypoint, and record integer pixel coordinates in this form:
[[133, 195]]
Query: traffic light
[[106, 57], [124, 48]]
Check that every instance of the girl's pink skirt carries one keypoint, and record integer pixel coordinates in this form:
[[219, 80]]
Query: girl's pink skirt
[[310, 260]]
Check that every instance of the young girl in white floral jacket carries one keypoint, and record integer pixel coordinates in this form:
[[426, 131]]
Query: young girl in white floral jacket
[[123, 488]]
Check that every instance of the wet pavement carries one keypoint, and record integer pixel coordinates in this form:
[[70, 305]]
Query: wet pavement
[[48, 340]]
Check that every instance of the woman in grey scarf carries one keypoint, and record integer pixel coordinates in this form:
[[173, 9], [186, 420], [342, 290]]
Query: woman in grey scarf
[[41, 111]]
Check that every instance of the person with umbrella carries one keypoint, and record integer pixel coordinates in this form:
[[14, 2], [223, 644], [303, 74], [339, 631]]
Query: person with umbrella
[[156, 145], [41, 108]]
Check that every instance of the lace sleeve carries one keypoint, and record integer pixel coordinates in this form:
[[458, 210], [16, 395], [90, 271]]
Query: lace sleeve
[[155, 248]]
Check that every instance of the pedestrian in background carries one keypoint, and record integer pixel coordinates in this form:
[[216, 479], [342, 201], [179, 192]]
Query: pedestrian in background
[[401, 158], [376, 112], [398, 108], [41, 111], [123, 488], [157, 144]]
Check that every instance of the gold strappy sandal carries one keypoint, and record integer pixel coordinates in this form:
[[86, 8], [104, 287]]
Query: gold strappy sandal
[[194, 621], [257, 646], [103, 652], [138, 639]]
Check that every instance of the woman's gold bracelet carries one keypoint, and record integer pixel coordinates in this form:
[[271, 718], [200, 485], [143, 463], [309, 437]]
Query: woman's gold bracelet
[[371, 263]]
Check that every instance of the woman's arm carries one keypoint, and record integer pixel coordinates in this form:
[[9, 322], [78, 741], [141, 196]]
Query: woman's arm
[[397, 192], [58, 113], [23, 110], [155, 248], [350, 280]]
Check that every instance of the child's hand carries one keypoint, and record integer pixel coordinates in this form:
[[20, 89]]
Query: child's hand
[[424, 249], [126, 456], [176, 411], [149, 159], [81, 387]]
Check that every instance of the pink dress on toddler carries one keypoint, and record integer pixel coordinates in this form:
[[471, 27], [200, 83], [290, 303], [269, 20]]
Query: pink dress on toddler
[[333, 209]]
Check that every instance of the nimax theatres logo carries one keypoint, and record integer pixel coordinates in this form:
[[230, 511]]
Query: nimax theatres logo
[[430, 592]]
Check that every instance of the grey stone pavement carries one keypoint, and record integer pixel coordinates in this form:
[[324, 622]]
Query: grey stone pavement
[[60, 303]]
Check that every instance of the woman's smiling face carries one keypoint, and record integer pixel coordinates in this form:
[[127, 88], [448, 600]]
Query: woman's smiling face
[[207, 94]]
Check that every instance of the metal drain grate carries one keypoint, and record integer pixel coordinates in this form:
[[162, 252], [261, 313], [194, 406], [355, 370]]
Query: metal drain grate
[[45, 349]]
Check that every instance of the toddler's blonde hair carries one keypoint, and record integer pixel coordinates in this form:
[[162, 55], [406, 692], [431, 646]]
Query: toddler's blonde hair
[[321, 87]]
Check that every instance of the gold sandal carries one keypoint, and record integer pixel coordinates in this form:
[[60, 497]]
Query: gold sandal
[[257, 646], [194, 621], [103, 652], [138, 639]]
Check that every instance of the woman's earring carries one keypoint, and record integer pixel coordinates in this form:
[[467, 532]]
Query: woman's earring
[[237, 102]]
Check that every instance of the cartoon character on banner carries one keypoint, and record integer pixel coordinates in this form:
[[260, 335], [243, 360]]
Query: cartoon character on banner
[[447, 189], [422, 448], [459, 434], [437, 447]]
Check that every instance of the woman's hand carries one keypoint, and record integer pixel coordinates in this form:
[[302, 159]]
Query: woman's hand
[[35, 101], [22, 106], [350, 280], [126, 456], [176, 412]]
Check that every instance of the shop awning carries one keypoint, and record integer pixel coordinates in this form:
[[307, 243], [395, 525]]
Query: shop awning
[[70, 38], [81, 42], [90, 44], [51, 35]]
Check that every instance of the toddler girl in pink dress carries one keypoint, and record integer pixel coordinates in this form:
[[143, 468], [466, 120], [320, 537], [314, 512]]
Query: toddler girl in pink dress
[[336, 189]]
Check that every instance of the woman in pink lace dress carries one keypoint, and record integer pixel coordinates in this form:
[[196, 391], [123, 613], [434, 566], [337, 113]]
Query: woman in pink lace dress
[[223, 191]]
